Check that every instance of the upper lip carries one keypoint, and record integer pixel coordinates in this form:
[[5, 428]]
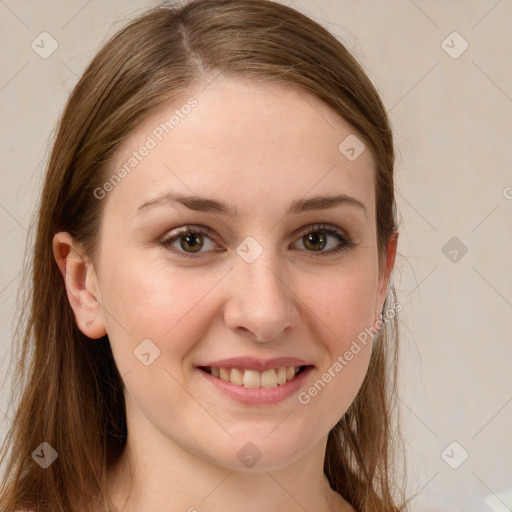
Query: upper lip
[[253, 363]]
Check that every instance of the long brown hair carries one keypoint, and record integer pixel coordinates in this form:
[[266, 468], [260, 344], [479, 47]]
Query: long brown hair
[[70, 392]]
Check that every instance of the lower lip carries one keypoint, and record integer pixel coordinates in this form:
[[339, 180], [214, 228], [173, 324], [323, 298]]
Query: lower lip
[[259, 396]]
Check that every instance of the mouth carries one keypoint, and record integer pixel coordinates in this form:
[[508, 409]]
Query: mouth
[[248, 378]]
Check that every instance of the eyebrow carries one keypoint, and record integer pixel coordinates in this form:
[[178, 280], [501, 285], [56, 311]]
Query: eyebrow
[[204, 204]]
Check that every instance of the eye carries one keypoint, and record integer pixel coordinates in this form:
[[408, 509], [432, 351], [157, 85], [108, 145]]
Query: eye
[[314, 238], [189, 238]]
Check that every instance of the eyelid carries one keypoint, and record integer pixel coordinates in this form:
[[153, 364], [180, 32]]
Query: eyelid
[[331, 229], [170, 238], [345, 239]]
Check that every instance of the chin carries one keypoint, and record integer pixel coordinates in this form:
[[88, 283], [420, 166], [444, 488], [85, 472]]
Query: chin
[[257, 453]]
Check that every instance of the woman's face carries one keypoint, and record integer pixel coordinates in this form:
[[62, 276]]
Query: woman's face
[[185, 285]]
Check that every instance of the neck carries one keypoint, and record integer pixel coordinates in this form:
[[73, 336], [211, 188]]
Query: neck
[[157, 474]]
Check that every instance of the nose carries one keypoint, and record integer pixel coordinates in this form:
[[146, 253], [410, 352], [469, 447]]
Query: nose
[[261, 302]]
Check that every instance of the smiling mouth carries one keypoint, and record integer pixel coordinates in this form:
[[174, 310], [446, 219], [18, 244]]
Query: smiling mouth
[[271, 378]]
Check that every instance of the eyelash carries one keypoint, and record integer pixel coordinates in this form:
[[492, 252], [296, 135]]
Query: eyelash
[[323, 228]]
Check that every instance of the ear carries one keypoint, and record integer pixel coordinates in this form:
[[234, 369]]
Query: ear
[[81, 284], [386, 267]]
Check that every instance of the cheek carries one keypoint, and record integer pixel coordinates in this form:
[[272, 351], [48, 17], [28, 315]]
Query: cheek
[[173, 306], [343, 308], [153, 320], [343, 304], [167, 306]]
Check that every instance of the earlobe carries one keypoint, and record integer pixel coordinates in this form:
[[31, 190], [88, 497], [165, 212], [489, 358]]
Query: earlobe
[[81, 283]]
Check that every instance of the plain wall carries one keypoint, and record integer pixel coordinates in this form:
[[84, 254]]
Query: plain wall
[[451, 116]]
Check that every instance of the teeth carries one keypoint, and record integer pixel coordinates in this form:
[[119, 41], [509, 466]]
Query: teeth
[[251, 379], [269, 378], [236, 377], [281, 375], [255, 379]]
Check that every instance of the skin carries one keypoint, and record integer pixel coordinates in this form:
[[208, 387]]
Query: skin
[[256, 147]]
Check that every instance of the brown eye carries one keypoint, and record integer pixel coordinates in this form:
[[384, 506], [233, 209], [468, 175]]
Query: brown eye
[[314, 240], [191, 241]]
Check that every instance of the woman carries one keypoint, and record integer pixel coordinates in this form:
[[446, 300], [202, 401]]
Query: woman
[[211, 311]]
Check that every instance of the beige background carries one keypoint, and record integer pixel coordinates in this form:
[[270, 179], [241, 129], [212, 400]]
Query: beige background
[[453, 128]]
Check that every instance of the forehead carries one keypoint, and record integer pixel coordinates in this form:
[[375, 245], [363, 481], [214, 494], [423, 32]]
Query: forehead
[[266, 143]]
